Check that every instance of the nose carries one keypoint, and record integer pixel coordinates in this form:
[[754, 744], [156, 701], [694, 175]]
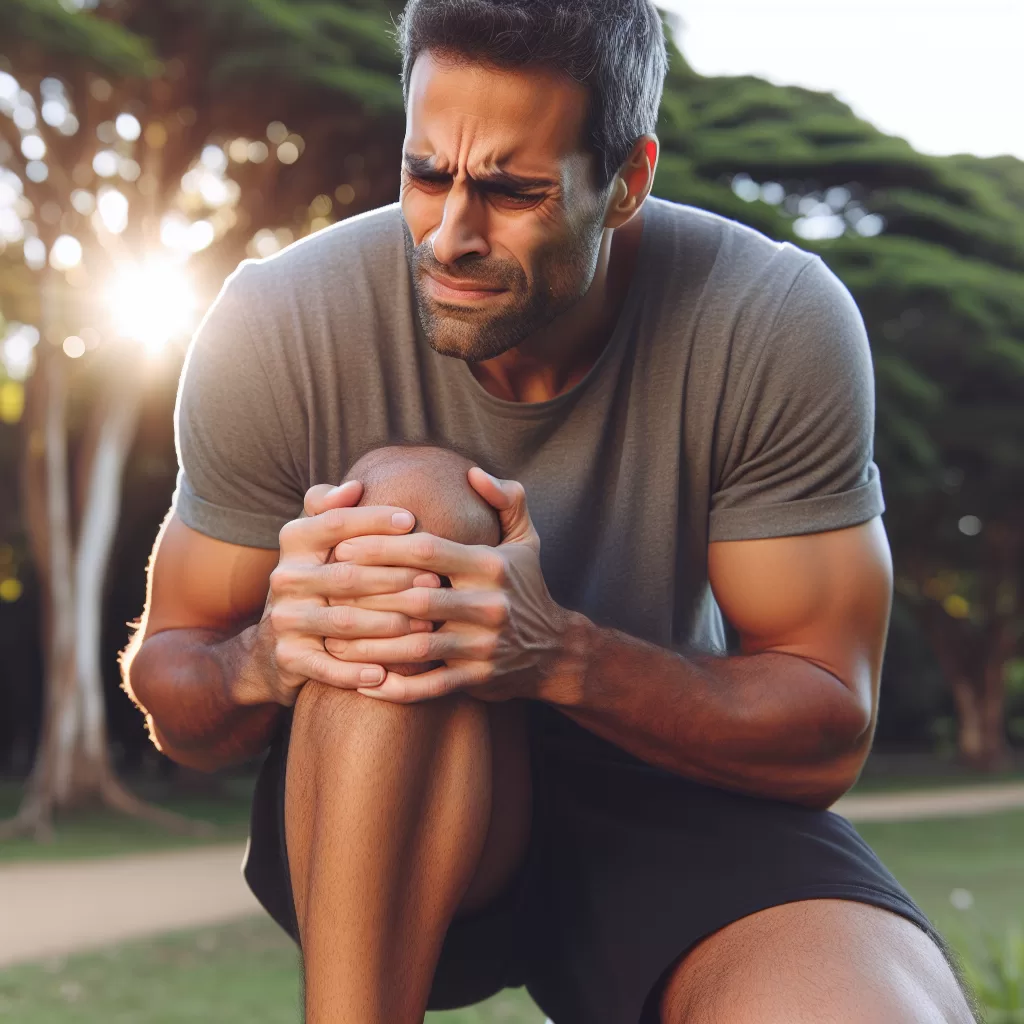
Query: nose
[[461, 232]]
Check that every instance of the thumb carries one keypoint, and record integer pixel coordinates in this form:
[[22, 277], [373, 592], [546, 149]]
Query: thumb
[[323, 497], [508, 499]]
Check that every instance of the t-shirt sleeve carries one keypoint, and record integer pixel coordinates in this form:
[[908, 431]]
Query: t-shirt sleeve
[[797, 455], [237, 476]]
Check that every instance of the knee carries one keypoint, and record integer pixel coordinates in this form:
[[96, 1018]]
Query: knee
[[328, 718]]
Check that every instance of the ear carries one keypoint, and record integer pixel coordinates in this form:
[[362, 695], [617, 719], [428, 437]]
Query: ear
[[633, 183]]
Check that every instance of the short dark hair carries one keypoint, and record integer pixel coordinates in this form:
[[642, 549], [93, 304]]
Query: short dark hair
[[616, 48]]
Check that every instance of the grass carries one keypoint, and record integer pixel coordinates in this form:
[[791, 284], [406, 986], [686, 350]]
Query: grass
[[981, 856], [248, 971], [242, 973], [106, 833]]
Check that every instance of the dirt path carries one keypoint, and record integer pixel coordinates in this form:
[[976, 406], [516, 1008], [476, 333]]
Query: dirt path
[[54, 908], [958, 802]]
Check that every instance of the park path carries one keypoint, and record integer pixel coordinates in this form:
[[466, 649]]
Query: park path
[[50, 909]]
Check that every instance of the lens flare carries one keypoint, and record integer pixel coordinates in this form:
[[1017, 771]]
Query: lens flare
[[152, 303]]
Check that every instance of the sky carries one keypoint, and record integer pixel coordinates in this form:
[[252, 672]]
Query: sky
[[947, 76]]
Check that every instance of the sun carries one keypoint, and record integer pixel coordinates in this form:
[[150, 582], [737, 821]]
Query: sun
[[152, 302]]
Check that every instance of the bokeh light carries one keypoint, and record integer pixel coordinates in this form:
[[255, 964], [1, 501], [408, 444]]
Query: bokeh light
[[65, 253], [152, 303], [74, 347], [112, 210], [128, 127]]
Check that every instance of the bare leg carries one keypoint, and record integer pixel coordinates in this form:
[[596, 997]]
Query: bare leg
[[388, 811]]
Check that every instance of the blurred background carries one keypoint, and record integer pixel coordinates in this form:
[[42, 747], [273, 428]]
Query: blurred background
[[147, 148]]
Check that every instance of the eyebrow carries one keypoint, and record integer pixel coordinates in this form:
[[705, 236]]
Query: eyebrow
[[423, 167]]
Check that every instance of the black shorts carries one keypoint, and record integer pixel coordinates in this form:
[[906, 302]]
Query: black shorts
[[628, 866]]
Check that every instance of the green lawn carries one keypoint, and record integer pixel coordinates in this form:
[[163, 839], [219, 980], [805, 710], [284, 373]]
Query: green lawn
[[983, 856], [248, 972], [104, 833], [245, 973]]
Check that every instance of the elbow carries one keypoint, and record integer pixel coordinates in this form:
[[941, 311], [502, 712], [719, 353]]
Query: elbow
[[197, 760], [841, 766]]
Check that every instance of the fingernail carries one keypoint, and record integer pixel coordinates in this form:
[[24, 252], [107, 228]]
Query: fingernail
[[337, 490], [403, 520], [421, 626], [428, 580], [372, 675]]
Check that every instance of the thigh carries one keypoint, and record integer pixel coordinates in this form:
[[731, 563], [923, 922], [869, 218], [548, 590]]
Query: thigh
[[814, 961], [508, 834]]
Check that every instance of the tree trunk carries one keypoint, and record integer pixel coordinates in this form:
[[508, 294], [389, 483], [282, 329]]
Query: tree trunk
[[974, 662], [72, 766]]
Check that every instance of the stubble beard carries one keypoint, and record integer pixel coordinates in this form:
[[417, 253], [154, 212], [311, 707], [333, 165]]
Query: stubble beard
[[564, 273]]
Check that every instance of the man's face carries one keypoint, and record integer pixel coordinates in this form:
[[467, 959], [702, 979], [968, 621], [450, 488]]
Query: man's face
[[503, 219]]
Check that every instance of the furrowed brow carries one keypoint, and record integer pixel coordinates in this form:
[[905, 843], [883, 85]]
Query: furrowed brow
[[423, 167]]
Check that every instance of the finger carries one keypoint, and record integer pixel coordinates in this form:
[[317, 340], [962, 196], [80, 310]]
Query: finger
[[414, 648], [323, 497], [321, 532], [345, 623], [316, 664], [508, 498], [426, 552], [476, 607], [438, 682], [348, 581]]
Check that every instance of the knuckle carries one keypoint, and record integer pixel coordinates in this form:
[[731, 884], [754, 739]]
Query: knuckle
[[495, 568], [284, 579], [334, 518], [280, 619], [424, 547], [341, 617], [422, 646], [344, 575], [497, 611], [286, 538], [421, 603], [287, 655]]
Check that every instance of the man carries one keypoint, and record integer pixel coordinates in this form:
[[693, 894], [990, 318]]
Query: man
[[679, 412]]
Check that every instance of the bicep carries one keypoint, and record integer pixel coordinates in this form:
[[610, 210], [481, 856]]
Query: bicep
[[197, 582], [825, 597]]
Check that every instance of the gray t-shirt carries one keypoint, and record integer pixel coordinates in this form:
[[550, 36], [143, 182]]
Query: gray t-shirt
[[735, 400]]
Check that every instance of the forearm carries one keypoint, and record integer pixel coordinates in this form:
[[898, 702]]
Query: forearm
[[771, 724], [199, 690]]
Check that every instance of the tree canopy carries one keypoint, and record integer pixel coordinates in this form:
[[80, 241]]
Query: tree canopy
[[932, 248]]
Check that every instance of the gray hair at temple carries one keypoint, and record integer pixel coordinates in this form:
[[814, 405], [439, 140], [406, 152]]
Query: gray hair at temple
[[616, 48]]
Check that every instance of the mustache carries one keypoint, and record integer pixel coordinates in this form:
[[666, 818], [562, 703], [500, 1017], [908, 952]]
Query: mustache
[[482, 270]]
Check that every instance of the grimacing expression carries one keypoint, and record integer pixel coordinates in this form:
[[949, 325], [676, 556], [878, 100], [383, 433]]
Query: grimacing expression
[[503, 220]]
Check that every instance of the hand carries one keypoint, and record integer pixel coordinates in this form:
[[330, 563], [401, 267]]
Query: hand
[[502, 631], [299, 615]]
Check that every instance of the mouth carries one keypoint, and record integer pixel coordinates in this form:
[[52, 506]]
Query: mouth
[[448, 290]]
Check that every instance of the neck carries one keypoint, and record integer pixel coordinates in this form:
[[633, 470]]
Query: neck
[[553, 360]]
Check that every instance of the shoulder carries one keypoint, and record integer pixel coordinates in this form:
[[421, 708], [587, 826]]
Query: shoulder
[[721, 260], [367, 249]]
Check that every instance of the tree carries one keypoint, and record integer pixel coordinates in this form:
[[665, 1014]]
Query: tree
[[933, 251], [140, 167]]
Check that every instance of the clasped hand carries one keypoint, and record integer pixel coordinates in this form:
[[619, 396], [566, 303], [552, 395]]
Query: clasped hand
[[500, 630]]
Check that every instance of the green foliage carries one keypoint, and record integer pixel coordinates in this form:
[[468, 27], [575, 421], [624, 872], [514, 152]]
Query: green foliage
[[51, 32], [997, 977]]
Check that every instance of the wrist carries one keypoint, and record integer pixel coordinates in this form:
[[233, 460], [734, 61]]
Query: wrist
[[564, 681], [249, 683]]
